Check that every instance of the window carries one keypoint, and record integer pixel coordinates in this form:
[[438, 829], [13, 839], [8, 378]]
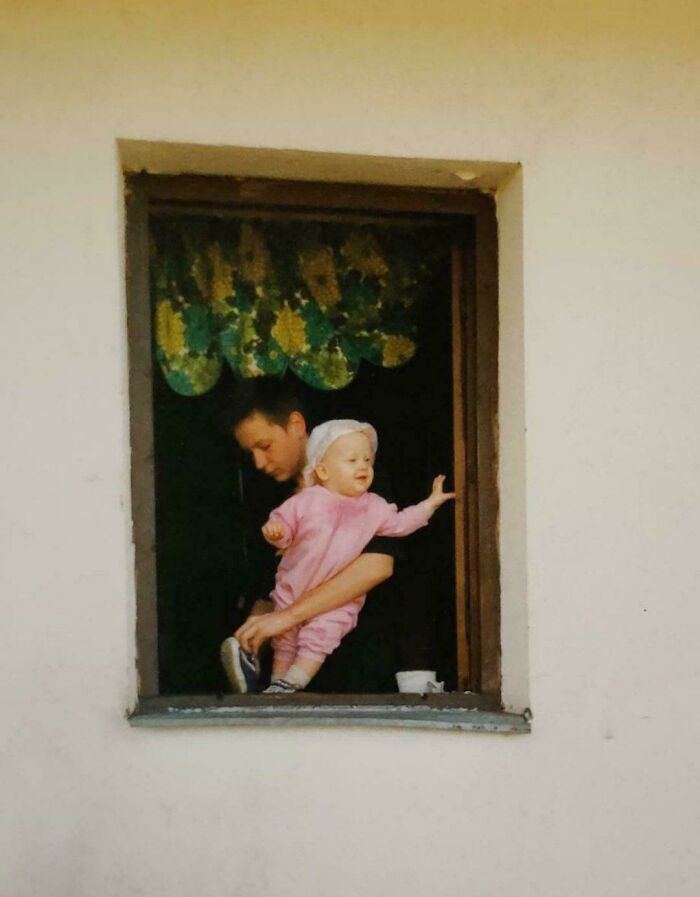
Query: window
[[459, 364]]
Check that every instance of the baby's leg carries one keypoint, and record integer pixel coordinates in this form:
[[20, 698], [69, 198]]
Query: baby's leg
[[317, 639], [292, 672], [285, 649], [280, 665], [313, 642], [301, 672]]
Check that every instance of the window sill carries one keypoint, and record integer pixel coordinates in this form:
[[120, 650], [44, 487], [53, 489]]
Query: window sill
[[465, 712]]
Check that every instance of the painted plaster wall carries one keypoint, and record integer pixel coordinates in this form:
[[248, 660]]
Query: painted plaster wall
[[600, 107]]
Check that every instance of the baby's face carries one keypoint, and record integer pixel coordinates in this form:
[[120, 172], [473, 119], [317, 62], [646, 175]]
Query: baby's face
[[348, 466]]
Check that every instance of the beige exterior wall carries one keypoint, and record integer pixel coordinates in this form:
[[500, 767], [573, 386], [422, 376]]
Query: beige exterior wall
[[600, 475]]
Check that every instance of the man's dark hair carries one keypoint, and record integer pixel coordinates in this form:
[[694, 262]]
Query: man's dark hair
[[273, 397]]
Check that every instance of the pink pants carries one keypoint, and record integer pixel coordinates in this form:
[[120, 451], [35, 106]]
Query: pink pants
[[319, 637]]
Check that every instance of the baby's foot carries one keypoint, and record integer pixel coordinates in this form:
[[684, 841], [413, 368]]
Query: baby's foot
[[281, 687]]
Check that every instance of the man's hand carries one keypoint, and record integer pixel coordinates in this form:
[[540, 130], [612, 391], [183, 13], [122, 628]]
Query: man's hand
[[260, 628]]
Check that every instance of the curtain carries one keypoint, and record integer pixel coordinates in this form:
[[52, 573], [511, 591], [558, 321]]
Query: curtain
[[264, 296]]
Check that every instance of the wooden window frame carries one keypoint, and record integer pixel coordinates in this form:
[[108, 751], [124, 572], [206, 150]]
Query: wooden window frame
[[475, 379]]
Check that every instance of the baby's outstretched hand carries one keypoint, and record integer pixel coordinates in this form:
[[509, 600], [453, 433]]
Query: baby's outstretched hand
[[438, 497], [273, 532]]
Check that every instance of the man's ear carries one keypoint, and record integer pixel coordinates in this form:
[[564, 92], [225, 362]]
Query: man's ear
[[296, 424], [321, 472]]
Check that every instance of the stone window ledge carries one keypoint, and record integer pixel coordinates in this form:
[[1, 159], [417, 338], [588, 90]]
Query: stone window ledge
[[463, 712]]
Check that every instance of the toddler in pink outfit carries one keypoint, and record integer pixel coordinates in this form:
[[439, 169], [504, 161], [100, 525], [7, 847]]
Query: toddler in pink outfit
[[321, 529]]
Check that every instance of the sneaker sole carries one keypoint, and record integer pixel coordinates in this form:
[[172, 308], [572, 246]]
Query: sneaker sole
[[230, 658]]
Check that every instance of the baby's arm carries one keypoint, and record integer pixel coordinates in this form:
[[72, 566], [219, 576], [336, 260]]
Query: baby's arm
[[438, 496], [276, 532], [403, 523], [281, 526]]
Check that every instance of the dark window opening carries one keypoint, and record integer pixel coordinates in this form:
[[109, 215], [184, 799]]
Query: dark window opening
[[434, 414]]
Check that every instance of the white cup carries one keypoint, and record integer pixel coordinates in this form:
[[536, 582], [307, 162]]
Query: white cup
[[416, 682]]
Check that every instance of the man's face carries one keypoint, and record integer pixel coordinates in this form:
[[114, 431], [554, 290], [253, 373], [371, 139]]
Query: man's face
[[276, 450]]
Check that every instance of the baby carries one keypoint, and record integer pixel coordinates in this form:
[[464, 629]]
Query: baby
[[321, 529]]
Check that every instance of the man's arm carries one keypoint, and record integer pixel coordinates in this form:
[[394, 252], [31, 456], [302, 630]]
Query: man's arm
[[360, 576]]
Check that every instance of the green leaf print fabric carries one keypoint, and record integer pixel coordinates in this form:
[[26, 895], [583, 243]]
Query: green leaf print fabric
[[267, 296]]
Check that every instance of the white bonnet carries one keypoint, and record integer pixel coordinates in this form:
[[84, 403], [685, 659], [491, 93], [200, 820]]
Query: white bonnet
[[324, 435]]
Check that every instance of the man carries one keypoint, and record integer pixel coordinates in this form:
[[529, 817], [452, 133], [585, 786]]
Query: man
[[269, 424]]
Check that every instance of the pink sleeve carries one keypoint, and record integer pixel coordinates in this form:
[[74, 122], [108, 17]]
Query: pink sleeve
[[401, 523], [288, 516]]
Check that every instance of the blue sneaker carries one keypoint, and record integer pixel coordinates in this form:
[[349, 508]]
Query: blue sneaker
[[241, 667]]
